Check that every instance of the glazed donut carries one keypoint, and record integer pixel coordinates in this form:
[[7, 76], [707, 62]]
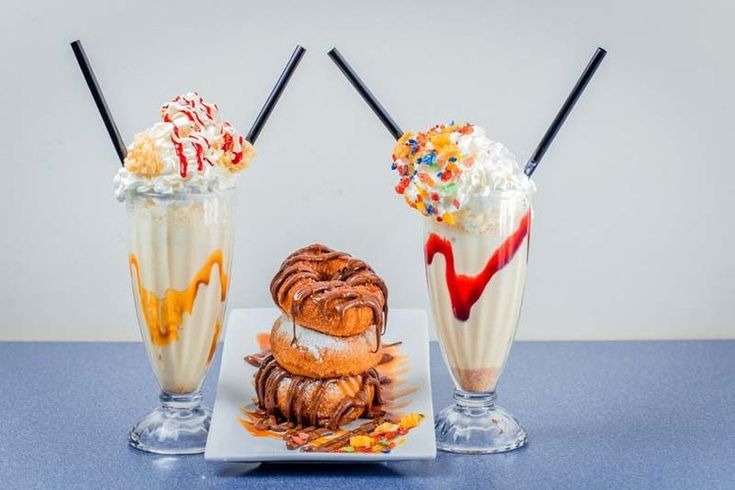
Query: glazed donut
[[330, 292], [317, 355], [316, 402]]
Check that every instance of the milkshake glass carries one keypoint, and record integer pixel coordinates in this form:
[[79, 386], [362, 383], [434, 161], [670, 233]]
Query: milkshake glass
[[180, 258], [475, 198], [178, 182], [475, 281], [476, 203]]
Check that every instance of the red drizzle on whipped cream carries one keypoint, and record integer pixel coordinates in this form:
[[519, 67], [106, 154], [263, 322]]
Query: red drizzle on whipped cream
[[194, 120], [190, 150]]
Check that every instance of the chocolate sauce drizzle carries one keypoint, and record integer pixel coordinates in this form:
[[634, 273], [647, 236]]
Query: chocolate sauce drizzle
[[256, 360], [297, 437], [299, 278], [271, 374]]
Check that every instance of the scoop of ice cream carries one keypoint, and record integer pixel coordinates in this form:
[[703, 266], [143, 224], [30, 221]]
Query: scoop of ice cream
[[191, 150], [449, 171]]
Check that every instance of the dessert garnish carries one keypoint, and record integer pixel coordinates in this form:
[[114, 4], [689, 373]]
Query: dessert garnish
[[190, 150], [451, 168]]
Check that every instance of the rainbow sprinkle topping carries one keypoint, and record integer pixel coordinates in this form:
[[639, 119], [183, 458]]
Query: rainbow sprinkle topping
[[447, 172], [385, 438], [429, 165]]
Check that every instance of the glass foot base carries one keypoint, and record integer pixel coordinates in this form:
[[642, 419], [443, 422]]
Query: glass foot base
[[173, 428], [474, 424]]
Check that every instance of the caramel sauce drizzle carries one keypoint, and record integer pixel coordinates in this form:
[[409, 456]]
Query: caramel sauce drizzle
[[164, 315], [215, 339], [339, 291]]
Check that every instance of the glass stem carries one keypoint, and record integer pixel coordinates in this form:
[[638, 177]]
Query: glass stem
[[175, 403], [468, 400]]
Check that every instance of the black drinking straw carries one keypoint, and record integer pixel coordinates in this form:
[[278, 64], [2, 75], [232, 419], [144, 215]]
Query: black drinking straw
[[275, 94], [99, 100], [365, 92], [561, 116]]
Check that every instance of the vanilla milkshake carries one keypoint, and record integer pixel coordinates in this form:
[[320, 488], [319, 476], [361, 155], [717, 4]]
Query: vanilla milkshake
[[177, 183], [180, 257], [476, 338], [477, 207]]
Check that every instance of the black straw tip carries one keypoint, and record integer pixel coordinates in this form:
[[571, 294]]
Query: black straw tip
[[566, 108], [99, 99], [275, 94], [365, 92]]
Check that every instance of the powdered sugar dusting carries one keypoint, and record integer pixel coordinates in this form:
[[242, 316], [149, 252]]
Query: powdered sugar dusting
[[314, 342]]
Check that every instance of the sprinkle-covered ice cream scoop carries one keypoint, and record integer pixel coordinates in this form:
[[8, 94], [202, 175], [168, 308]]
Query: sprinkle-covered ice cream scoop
[[448, 171]]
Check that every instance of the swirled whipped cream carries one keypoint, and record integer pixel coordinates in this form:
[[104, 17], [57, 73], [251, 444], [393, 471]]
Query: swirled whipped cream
[[191, 150], [448, 172]]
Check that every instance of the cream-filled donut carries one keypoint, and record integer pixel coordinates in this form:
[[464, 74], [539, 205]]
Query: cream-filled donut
[[306, 352]]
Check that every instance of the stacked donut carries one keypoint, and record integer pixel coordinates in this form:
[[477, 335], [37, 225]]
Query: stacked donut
[[326, 345]]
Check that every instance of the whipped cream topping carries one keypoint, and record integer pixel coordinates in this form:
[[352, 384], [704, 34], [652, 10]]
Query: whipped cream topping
[[448, 172], [191, 150]]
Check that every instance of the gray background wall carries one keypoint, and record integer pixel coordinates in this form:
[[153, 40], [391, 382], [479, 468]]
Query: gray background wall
[[633, 235]]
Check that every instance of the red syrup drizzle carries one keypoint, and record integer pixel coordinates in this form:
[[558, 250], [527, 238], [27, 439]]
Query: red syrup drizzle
[[464, 290], [193, 116], [200, 162], [229, 145], [183, 163], [238, 155]]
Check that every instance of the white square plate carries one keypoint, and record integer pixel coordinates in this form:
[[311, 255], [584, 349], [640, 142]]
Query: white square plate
[[230, 441]]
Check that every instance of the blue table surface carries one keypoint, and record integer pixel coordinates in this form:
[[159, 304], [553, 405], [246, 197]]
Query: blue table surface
[[598, 414]]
